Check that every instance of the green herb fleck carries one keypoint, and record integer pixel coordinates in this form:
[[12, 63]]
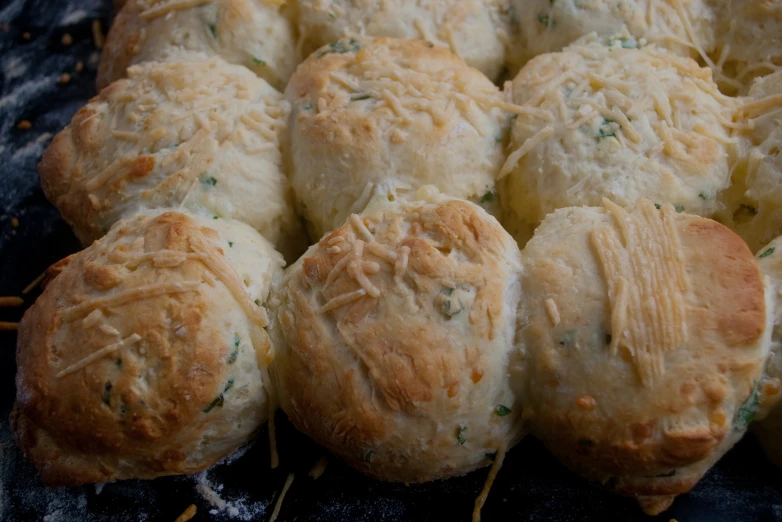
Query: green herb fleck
[[213, 30], [502, 410], [568, 338], [658, 206], [703, 196], [209, 181], [606, 130], [306, 107], [747, 411], [332, 16], [767, 252], [341, 47], [214, 217], [429, 45], [461, 437], [491, 456], [498, 139], [360, 97], [608, 338], [586, 443], [235, 351], [258, 61], [220, 399], [230, 244], [107, 393], [545, 20], [489, 196], [367, 456], [679, 208]]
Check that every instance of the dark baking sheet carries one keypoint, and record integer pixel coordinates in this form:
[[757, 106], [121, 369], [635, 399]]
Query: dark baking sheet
[[531, 486]]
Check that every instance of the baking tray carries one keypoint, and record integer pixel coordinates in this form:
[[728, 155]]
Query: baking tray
[[531, 486]]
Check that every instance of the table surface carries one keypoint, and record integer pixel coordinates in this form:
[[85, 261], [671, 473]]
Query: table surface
[[531, 486]]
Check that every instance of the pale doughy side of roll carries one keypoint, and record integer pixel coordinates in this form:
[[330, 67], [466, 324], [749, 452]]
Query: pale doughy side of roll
[[769, 430], [384, 117], [255, 34], [542, 26], [475, 30]]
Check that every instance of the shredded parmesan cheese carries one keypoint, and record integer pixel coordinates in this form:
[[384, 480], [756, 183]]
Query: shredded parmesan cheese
[[643, 265], [106, 350], [495, 469], [278, 504]]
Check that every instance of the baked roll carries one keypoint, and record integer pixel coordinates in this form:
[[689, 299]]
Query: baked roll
[[769, 430], [544, 26], [753, 204], [475, 30], [146, 355], [644, 337], [382, 117], [394, 333], [606, 121], [254, 33], [204, 135]]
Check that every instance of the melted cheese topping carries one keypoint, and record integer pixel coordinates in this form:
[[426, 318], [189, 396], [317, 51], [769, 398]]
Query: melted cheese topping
[[644, 268]]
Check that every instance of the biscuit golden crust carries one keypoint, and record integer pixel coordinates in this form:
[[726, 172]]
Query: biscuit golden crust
[[544, 26], [377, 116], [395, 331], [204, 135], [645, 335], [475, 30], [144, 355], [605, 121], [257, 35]]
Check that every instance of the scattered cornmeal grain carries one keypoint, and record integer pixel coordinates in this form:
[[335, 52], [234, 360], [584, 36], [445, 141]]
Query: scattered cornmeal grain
[[67, 39], [8, 327], [187, 514], [65, 78], [586, 402], [26, 35], [79, 66], [24, 125], [15, 222], [97, 34]]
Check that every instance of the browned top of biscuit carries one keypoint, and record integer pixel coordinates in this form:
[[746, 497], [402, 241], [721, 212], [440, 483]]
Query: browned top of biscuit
[[121, 355]]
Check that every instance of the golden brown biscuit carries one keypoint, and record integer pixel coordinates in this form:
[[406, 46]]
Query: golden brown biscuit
[[769, 430], [145, 356], [394, 333], [644, 338], [377, 117], [544, 26], [203, 135], [475, 30], [600, 121], [254, 33]]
